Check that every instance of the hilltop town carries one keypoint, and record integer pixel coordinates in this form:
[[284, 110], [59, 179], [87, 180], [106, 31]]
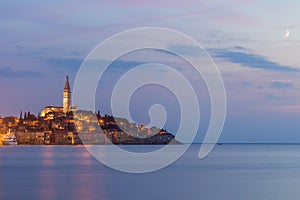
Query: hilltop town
[[67, 125]]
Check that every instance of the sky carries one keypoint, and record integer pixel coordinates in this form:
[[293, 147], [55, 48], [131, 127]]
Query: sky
[[43, 41]]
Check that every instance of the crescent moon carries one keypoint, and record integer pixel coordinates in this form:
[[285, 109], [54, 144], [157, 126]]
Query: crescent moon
[[287, 33]]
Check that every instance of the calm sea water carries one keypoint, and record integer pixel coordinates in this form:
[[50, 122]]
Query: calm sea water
[[243, 172]]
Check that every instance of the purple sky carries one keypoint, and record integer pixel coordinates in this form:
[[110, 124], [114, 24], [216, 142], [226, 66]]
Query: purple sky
[[43, 41]]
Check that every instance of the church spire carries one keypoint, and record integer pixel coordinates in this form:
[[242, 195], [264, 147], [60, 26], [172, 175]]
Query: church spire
[[67, 85], [67, 96]]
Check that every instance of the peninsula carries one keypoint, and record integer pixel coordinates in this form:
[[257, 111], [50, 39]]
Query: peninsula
[[66, 125]]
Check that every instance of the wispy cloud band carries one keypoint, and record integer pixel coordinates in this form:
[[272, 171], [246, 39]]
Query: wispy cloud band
[[6, 72], [252, 60]]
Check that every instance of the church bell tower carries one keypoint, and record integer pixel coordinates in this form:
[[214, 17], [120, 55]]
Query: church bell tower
[[67, 97]]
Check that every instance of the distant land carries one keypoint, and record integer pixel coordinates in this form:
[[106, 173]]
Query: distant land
[[65, 125]]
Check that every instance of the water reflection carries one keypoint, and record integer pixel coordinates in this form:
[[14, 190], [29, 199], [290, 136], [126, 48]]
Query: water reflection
[[231, 172], [46, 175], [84, 157], [69, 173], [47, 156]]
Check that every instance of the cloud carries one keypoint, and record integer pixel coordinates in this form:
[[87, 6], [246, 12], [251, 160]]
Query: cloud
[[239, 48], [6, 72], [245, 84], [282, 85], [251, 60], [71, 64], [186, 50], [275, 97], [165, 51]]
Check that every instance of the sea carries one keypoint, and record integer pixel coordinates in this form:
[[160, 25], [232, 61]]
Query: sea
[[229, 172]]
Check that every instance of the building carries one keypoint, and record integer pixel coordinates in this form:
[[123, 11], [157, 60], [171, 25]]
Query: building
[[60, 125], [49, 109], [67, 97], [67, 102]]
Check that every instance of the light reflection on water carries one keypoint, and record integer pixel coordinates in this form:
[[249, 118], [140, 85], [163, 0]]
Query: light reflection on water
[[49, 172], [47, 180], [231, 172]]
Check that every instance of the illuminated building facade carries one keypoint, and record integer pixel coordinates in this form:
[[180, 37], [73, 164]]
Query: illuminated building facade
[[67, 102], [67, 97], [61, 125]]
